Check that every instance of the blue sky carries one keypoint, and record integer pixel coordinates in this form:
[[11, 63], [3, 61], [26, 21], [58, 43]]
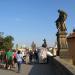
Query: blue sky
[[33, 20]]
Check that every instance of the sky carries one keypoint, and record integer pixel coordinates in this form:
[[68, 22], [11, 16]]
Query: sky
[[34, 20]]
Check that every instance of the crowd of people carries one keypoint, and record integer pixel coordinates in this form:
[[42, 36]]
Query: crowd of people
[[14, 58]]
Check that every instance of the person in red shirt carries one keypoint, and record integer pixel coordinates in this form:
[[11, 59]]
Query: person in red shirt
[[14, 58]]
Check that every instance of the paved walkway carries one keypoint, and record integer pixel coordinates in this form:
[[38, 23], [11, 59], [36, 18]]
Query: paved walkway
[[36, 69]]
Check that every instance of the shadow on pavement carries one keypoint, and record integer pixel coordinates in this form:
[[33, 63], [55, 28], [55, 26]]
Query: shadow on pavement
[[41, 69], [49, 69]]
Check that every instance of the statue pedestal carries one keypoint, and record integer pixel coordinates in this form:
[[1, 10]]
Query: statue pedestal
[[71, 45], [62, 45]]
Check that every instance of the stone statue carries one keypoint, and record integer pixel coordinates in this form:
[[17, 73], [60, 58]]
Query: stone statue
[[60, 22], [44, 44]]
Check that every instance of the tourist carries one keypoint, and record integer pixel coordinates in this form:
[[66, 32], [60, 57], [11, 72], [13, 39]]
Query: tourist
[[14, 58], [19, 58], [2, 59], [30, 56], [36, 56], [27, 56], [9, 58]]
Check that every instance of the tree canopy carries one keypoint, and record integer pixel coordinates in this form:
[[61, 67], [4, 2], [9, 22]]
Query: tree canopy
[[7, 42]]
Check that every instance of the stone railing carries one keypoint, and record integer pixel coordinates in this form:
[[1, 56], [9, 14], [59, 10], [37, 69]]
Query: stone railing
[[63, 66]]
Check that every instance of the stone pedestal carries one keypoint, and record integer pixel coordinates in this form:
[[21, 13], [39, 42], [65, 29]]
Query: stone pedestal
[[62, 44], [71, 45]]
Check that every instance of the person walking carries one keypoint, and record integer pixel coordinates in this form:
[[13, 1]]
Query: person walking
[[14, 58], [36, 56], [19, 58], [30, 56], [9, 58], [27, 56]]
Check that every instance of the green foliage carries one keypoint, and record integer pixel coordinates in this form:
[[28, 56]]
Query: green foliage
[[7, 42]]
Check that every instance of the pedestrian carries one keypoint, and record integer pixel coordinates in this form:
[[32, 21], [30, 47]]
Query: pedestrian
[[14, 58], [27, 56], [9, 58], [30, 56], [2, 59], [19, 58], [36, 56]]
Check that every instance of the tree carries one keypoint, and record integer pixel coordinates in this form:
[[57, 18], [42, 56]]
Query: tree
[[1, 40], [8, 42]]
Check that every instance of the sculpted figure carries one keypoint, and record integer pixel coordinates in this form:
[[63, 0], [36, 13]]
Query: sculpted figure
[[44, 44], [60, 22]]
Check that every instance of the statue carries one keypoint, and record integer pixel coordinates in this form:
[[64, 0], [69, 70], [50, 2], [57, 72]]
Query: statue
[[61, 34], [60, 22], [44, 44]]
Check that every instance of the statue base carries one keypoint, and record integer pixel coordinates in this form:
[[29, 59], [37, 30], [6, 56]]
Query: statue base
[[62, 45], [64, 53]]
